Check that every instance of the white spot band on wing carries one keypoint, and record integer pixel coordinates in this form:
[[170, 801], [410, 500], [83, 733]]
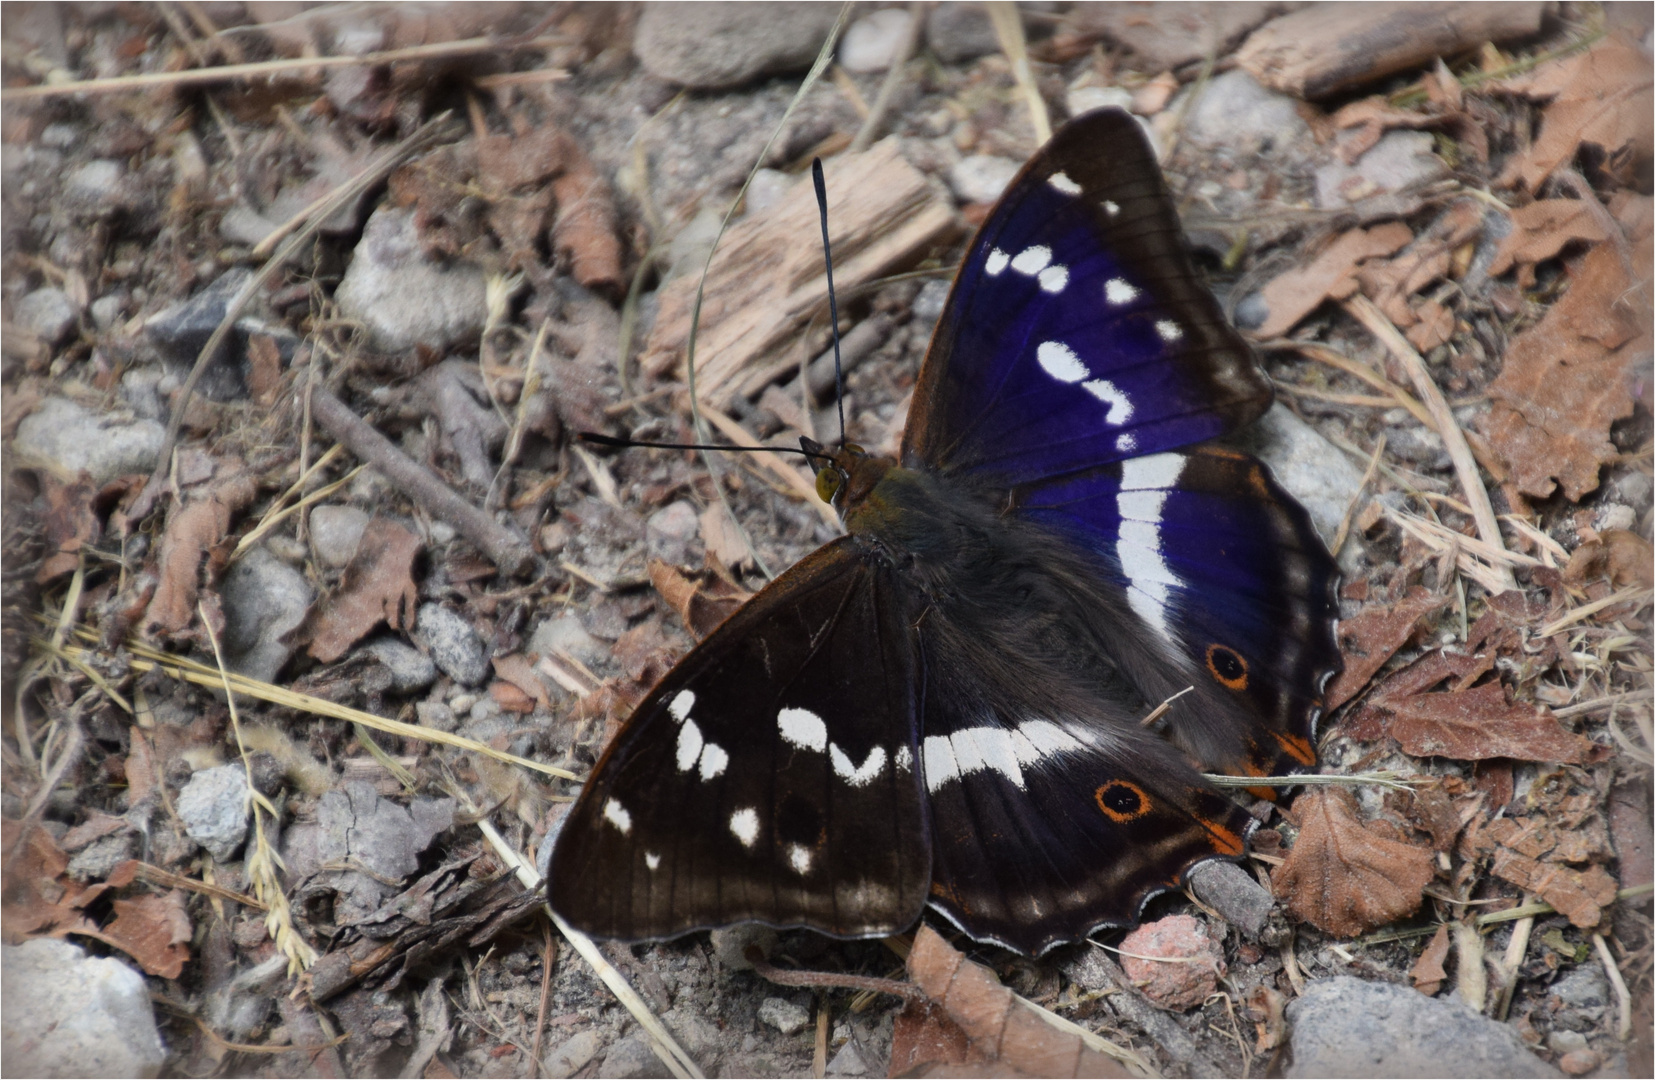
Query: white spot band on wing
[[1117, 291], [1060, 362], [996, 262], [652, 860], [1120, 406], [1003, 750], [1054, 279], [682, 704], [1141, 502], [803, 729], [744, 825], [1169, 330], [616, 815], [713, 761], [689, 745], [1061, 182], [1032, 260], [850, 773]]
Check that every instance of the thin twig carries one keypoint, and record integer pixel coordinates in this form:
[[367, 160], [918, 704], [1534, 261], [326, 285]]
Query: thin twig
[[503, 546], [1623, 999], [893, 78], [548, 958], [831, 979], [1595, 704], [1357, 500], [265, 68], [1008, 28], [1625, 596], [1465, 465]]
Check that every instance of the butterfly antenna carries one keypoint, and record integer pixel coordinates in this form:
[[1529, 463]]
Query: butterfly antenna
[[833, 300], [597, 439]]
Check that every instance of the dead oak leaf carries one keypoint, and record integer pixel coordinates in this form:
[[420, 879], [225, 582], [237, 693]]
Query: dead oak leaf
[[1539, 231], [193, 548], [702, 604], [153, 930], [1478, 724], [1344, 876], [1330, 275], [1367, 641], [378, 586], [1602, 96], [1569, 377], [1579, 895], [1428, 972], [1001, 1028]]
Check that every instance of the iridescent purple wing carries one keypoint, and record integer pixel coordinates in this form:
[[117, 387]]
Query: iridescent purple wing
[[1077, 331]]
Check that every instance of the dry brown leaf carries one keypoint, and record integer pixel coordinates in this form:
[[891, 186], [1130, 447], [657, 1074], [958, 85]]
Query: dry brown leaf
[[702, 604], [1428, 973], [1539, 231], [1344, 876], [510, 698], [194, 542], [1269, 1012], [154, 930], [1330, 275], [1602, 96], [518, 670], [1568, 378], [924, 1035], [1368, 120], [1580, 895], [723, 539], [264, 369], [69, 524], [583, 229], [1478, 724], [1373, 637], [644, 653], [1622, 556], [378, 586], [998, 1026]]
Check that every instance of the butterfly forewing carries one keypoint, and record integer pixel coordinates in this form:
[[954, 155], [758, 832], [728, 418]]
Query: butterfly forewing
[[1077, 331], [771, 776]]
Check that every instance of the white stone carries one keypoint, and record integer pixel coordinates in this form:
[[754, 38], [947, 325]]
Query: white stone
[[872, 42], [63, 1013]]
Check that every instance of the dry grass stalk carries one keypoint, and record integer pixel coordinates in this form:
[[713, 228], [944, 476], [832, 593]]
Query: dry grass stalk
[[1476, 559], [1008, 27]]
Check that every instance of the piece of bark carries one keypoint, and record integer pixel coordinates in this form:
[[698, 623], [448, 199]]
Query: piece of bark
[[767, 281], [1322, 49]]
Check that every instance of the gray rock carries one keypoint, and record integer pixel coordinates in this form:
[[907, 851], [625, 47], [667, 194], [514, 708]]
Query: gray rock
[[436, 715], [1165, 36], [566, 634], [687, 253], [1347, 1027], [97, 860], [1234, 894], [213, 807], [410, 669], [784, 1015], [263, 599], [69, 435], [404, 297], [1084, 99], [719, 45], [1584, 987], [959, 32], [181, 331], [1236, 112], [1632, 488], [871, 42], [932, 298], [730, 944], [632, 1057], [94, 182], [241, 224], [386, 837], [107, 310], [672, 532], [1313, 470], [59, 136], [335, 531], [1400, 160], [454, 646], [769, 187], [573, 1054], [67, 1014], [981, 178], [851, 1060], [47, 312]]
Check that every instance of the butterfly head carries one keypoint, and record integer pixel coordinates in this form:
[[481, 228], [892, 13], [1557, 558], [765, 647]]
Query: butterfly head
[[846, 476]]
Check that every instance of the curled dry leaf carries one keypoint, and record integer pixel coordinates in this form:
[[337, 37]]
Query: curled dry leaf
[[1269, 1011], [194, 541], [1329, 276], [1539, 231], [1580, 895], [922, 1036], [1428, 972], [378, 586], [1621, 555], [517, 670], [701, 604], [1478, 724], [1344, 876], [154, 930], [1601, 96], [998, 1025], [1373, 637], [69, 523], [1569, 377]]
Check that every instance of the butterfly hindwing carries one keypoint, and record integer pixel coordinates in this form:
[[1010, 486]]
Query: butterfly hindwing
[[771, 776], [1077, 331], [1228, 575]]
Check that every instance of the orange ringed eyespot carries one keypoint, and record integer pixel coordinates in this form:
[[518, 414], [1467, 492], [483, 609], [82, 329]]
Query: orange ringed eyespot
[[1227, 666], [1122, 801]]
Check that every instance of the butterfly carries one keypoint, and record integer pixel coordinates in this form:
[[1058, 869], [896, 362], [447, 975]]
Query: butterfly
[[945, 706]]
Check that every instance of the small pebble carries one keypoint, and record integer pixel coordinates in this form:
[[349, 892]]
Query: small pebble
[[335, 532], [872, 41], [783, 1015], [93, 182], [1197, 961], [404, 297], [1579, 1062], [47, 312], [958, 32], [981, 178], [213, 808], [454, 645]]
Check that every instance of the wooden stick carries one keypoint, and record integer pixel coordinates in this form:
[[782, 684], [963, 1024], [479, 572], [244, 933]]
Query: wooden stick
[[1465, 465], [265, 68]]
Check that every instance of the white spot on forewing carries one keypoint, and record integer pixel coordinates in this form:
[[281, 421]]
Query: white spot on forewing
[[1169, 330], [744, 824], [689, 745], [652, 860], [1126, 443], [996, 262], [1053, 279], [940, 766], [1061, 182], [682, 704], [616, 815], [846, 770], [1060, 361], [798, 857], [1047, 739], [987, 748], [1117, 291], [802, 728], [1111, 207], [1155, 471], [1032, 260], [904, 759], [1141, 505], [1120, 406], [713, 761]]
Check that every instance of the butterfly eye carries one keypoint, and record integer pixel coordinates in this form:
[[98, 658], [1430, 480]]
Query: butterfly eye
[[828, 482]]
